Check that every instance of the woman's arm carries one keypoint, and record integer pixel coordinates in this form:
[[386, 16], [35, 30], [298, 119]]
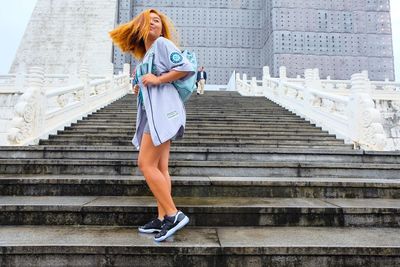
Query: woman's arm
[[151, 79]]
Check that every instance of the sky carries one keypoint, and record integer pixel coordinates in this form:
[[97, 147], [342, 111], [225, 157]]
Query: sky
[[15, 14]]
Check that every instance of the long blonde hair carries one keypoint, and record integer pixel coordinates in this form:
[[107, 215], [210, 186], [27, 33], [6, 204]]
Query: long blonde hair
[[130, 37]]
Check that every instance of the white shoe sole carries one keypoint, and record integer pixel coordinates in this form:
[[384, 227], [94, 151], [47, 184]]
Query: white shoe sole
[[149, 231], [173, 230]]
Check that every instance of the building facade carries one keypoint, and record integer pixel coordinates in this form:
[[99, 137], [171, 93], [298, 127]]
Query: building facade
[[339, 37], [63, 35]]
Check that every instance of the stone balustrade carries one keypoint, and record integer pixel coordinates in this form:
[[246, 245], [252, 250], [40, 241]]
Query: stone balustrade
[[362, 112], [39, 104]]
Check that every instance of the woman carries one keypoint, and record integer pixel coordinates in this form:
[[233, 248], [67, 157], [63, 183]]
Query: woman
[[161, 114]]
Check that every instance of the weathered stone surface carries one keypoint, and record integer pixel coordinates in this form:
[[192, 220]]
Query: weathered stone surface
[[75, 33], [117, 246], [299, 185]]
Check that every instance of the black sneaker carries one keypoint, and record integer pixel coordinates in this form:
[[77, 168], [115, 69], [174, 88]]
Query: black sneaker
[[171, 225], [153, 226]]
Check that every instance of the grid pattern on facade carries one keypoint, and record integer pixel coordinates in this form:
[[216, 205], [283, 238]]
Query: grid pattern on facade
[[124, 11], [339, 37]]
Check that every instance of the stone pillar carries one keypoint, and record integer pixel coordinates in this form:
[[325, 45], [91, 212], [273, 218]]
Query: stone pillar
[[238, 84], [365, 128], [312, 79], [36, 77], [266, 76], [30, 111], [254, 88], [308, 76], [37, 81]]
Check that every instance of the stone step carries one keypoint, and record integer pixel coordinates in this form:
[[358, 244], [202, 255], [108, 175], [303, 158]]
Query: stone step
[[210, 115], [206, 113], [203, 154], [203, 143], [196, 246], [202, 168], [262, 187], [201, 133], [203, 129], [196, 121], [208, 123], [202, 211], [208, 126], [205, 138]]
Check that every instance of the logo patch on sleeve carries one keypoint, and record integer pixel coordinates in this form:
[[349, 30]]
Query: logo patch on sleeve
[[175, 57]]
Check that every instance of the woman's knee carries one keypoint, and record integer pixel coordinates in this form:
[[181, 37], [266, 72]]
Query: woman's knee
[[144, 166]]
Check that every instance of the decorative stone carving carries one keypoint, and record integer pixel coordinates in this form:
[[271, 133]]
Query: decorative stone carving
[[365, 121], [28, 118]]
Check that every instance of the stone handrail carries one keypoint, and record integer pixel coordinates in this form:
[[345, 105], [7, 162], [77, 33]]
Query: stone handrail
[[42, 111], [17, 81], [363, 113]]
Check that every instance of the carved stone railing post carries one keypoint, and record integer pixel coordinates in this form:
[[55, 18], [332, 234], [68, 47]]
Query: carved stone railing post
[[282, 78], [312, 79], [317, 80], [238, 83], [254, 88], [365, 127], [309, 83], [30, 110]]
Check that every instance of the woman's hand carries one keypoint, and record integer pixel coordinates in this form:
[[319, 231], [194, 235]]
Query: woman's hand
[[150, 79], [135, 89]]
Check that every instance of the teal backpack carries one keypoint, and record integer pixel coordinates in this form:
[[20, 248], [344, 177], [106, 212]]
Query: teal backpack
[[185, 87]]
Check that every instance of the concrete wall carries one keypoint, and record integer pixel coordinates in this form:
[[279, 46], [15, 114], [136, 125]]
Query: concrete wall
[[62, 34]]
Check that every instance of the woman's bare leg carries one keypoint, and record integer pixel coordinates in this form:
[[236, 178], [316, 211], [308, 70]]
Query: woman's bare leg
[[148, 161], [163, 167]]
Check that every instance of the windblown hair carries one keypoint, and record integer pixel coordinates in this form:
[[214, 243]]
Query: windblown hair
[[129, 37]]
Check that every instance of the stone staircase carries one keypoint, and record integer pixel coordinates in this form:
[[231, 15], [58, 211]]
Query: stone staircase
[[262, 187]]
